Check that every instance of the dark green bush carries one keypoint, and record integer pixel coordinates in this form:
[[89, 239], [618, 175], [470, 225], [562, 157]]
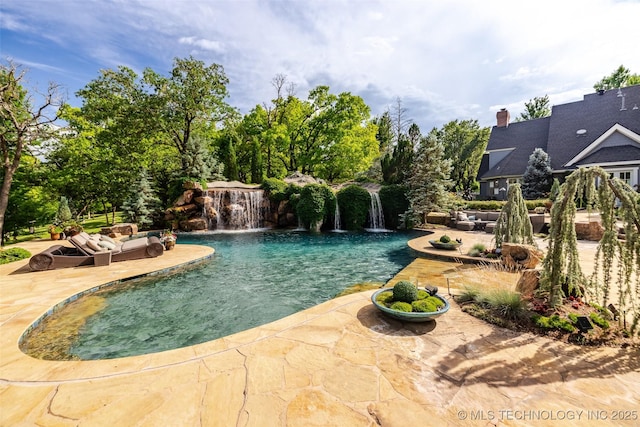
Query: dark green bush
[[394, 203], [316, 203], [13, 254], [354, 204], [445, 239], [405, 291], [485, 205], [276, 189], [401, 306]]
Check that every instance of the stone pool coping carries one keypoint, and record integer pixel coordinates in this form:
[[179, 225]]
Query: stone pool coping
[[339, 363]]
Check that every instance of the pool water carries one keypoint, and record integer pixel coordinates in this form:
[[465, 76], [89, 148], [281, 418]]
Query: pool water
[[253, 279]]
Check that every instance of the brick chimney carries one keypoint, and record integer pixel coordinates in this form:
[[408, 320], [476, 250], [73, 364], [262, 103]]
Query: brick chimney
[[503, 117]]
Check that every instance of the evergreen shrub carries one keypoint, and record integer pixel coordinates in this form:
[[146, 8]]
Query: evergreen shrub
[[394, 203], [354, 204], [276, 189], [315, 203]]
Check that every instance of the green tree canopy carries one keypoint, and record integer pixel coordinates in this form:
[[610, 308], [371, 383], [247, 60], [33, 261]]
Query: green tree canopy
[[464, 143], [620, 77], [536, 108]]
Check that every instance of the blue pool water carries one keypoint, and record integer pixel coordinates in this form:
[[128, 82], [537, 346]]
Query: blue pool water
[[253, 279]]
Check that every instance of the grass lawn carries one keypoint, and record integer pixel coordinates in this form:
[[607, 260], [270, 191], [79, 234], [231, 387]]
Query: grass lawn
[[92, 225]]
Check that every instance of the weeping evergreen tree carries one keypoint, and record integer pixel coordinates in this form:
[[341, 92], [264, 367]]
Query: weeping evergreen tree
[[613, 198], [141, 206], [428, 180], [537, 179], [513, 224]]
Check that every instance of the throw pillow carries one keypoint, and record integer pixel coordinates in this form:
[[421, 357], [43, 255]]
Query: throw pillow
[[93, 245], [107, 239], [107, 245]]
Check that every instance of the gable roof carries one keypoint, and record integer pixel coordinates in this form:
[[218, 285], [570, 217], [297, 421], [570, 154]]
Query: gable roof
[[597, 144], [596, 114], [521, 138], [597, 117]]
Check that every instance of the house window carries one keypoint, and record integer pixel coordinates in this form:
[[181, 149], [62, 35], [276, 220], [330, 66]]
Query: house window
[[625, 176]]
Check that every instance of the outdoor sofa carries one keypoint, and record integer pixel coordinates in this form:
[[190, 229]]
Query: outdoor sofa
[[95, 250]]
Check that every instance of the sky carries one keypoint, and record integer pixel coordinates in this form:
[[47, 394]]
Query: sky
[[444, 60]]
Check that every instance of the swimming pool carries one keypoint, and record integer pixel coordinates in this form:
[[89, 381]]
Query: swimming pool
[[253, 279]]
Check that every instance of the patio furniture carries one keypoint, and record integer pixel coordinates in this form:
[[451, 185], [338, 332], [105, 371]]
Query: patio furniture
[[87, 251]]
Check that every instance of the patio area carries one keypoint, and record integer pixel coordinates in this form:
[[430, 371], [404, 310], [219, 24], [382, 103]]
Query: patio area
[[339, 363]]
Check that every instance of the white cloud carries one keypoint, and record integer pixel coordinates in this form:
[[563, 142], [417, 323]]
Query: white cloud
[[204, 44], [449, 60]]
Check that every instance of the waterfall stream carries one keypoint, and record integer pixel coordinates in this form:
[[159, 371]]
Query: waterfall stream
[[376, 216], [236, 209]]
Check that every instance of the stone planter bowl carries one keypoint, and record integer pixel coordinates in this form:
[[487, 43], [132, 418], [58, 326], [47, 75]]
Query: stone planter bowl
[[409, 317], [448, 246]]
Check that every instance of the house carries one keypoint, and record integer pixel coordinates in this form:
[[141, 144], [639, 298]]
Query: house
[[601, 130]]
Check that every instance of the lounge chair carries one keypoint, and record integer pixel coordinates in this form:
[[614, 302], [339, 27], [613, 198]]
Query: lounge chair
[[86, 251]]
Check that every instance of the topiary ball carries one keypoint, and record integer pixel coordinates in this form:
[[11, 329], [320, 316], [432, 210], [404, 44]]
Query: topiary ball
[[445, 239], [405, 291]]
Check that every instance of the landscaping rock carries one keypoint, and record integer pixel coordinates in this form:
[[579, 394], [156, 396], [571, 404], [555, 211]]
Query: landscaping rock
[[591, 230], [529, 281], [123, 229], [516, 256]]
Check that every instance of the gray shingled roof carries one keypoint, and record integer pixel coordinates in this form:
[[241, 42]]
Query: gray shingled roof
[[525, 137], [556, 134], [596, 114], [611, 155]]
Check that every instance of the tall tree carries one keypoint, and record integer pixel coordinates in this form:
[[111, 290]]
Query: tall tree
[[536, 108], [22, 125], [538, 176], [464, 143], [620, 77], [192, 97], [428, 180]]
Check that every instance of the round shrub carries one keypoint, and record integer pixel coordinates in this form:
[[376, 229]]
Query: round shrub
[[445, 239], [405, 291], [401, 306], [354, 204], [424, 306]]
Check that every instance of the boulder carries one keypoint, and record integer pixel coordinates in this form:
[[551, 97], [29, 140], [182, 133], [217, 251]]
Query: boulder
[[192, 207], [192, 185], [529, 281], [123, 229], [516, 256], [591, 230], [194, 224]]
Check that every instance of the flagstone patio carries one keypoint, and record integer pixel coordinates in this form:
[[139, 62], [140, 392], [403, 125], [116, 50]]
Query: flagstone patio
[[340, 363]]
